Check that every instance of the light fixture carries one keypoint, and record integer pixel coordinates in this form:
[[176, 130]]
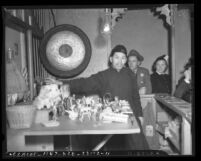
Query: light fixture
[[110, 18], [107, 22], [106, 28]]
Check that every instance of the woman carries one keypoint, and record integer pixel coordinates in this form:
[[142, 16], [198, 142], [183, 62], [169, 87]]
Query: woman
[[118, 81], [161, 82], [184, 89]]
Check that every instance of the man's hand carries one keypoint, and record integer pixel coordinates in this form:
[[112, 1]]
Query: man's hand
[[52, 81], [141, 120], [142, 90]]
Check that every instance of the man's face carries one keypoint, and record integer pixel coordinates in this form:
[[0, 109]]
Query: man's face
[[133, 62], [118, 60]]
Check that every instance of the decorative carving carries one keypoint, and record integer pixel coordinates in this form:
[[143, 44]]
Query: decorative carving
[[168, 12], [116, 14]]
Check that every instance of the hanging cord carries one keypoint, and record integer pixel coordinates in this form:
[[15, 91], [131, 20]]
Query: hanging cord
[[53, 16]]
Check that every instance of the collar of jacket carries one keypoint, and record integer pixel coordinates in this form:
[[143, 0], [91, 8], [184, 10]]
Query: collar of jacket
[[160, 73], [115, 70]]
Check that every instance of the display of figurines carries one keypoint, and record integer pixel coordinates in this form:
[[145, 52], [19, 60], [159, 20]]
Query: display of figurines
[[90, 108]]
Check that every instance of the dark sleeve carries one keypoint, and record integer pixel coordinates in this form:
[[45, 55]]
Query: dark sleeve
[[182, 88], [136, 97], [148, 82], [153, 84], [92, 84], [169, 84]]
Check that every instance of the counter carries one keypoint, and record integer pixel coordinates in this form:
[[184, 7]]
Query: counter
[[184, 110]]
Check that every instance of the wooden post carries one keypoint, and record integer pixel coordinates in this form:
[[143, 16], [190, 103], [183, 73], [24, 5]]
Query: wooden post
[[186, 147], [23, 49], [172, 30], [30, 63]]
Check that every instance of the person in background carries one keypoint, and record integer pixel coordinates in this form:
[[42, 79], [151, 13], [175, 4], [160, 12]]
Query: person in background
[[120, 82], [160, 81], [142, 74], [184, 87]]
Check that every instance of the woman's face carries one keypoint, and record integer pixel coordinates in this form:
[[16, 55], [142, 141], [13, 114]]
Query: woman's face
[[118, 60], [161, 66]]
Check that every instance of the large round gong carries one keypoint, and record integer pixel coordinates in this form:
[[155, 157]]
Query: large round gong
[[65, 51]]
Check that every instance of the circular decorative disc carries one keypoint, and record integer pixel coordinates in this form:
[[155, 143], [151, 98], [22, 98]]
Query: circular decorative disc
[[65, 51]]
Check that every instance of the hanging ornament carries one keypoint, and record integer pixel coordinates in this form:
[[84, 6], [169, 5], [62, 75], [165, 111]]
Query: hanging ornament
[[116, 14], [165, 10]]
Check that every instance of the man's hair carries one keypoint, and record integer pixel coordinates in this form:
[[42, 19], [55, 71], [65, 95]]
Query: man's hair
[[117, 48]]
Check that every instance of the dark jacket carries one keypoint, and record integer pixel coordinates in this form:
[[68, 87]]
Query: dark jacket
[[143, 79], [183, 90], [160, 83], [122, 84]]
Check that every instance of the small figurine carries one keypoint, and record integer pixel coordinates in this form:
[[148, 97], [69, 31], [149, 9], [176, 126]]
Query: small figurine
[[72, 115], [107, 98], [85, 113], [73, 100], [60, 109], [54, 113]]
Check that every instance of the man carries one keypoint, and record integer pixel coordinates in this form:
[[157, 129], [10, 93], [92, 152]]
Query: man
[[142, 74], [118, 81]]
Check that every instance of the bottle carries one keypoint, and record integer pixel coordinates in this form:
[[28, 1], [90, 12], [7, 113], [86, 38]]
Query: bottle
[[9, 54]]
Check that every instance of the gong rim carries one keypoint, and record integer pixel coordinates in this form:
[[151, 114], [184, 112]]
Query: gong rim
[[43, 55]]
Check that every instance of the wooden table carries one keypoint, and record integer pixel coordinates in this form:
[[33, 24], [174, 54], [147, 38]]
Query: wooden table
[[16, 138]]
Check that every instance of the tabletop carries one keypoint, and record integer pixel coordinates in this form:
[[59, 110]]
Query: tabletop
[[75, 127]]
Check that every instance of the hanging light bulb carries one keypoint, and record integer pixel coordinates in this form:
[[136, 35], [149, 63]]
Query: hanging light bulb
[[107, 23], [106, 28]]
